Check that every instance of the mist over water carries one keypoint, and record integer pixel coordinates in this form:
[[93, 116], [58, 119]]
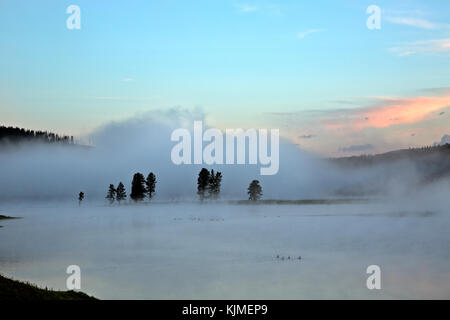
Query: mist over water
[[182, 249], [217, 251], [357, 81], [142, 144]]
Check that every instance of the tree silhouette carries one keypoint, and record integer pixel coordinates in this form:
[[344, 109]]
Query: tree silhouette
[[254, 191], [150, 185], [202, 183], [111, 195], [214, 182], [15, 135], [138, 187], [80, 198], [120, 192]]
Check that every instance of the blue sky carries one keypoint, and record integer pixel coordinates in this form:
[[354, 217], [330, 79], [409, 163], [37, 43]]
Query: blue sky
[[287, 64]]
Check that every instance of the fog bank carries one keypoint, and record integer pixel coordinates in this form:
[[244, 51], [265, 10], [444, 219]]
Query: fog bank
[[143, 144]]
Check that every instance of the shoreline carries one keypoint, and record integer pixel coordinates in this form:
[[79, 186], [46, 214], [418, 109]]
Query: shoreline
[[2, 217], [11, 289]]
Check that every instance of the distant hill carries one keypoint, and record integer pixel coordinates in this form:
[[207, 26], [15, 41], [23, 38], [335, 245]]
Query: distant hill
[[15, 135], [431, 163], [413, 154]]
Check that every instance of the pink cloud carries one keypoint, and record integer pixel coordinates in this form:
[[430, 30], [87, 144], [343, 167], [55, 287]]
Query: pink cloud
[[390, 112]]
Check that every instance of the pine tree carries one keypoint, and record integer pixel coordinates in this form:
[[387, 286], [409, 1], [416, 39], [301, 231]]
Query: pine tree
[[138, 187], [202, 183], [111, 195], [254, 191], [120, 192], [150, 184], [215, 180], [80, 198]]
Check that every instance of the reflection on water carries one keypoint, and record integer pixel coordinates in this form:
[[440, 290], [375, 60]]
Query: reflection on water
[[187, 251]]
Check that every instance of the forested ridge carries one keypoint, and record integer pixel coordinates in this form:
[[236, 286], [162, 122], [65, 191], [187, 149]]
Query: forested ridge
[[16, 135]]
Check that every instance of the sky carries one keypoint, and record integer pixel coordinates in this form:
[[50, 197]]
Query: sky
[[313, 69]]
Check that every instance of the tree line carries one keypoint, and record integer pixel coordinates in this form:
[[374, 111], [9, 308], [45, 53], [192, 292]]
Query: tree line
[[141, 188], [208, 188], [209, 182], [15, 135]]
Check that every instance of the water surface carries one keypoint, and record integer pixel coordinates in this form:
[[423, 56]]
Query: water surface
[[222, 251]]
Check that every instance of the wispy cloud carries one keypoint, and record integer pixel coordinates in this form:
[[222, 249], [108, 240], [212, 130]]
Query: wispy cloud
[[306, 136], [245, 8], [427, 46], [413, 18], [122, 98], [412, 22], [127, 79], [356, 148], [267, 9], [406, 53], [388, 112], [103, 98], [384, 122], [436, 91], [304, 34]]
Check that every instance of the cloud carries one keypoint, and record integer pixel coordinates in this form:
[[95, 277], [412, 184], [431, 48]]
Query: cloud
[[413, 18], [246, 8], [277, 113], [349, 101], [122, 98], [412, 22], [437, 91], [103, 97], [385, 122], [427, 46], [143, 144], [388, 112], [127, 79], [302, 35], [357, 148], [267, 9], [406, 53]]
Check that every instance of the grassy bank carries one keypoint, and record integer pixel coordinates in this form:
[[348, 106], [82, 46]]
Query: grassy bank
[[18, 290]]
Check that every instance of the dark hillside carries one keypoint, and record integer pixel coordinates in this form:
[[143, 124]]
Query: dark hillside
[[14, 135]]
